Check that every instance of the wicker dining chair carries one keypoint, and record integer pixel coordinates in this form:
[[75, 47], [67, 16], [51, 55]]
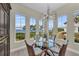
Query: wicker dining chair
[[31, 51], [63, 50], [59, 51]]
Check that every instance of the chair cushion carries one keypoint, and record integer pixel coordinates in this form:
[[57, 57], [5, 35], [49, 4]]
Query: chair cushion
[[52, 54], [56, 48], [55, 51], [37, 50], [60, 41], [50, 43], [40, 43], [30, 42]]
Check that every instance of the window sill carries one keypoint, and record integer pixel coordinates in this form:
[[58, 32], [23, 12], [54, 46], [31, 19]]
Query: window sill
[[19, 41], [76, 43], [73, 50]]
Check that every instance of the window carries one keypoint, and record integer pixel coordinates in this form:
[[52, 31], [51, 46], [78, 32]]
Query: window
[[76, 33], [32, 27], [41, 28], [50, 26], [20, 27], [62, 24]]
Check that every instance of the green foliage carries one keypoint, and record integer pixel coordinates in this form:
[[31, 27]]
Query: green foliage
[[32, 34], [77, 37], [60, 29], [24, 27], [33, 27], [50, 33], [77, 18], [20, 36], [41, 27], [41, 34], [77, 40]]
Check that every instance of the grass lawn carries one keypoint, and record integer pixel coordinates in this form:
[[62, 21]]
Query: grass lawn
[[76, 37], [32, 34], [77, 40], [20, 36]]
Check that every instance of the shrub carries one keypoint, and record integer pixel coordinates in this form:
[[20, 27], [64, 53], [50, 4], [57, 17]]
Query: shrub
[[20, 36], [60, 29], [77, 37], [32, 34]]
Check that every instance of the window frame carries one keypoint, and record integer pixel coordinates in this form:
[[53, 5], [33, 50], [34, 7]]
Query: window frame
[[50, 25], [32, 18], [65, 26], [21, 14]]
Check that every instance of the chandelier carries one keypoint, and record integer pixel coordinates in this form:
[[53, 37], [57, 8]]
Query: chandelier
[[46, 16], [45, 21]]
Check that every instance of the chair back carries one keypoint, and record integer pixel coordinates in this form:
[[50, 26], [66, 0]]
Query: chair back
[[63, 49], [30, 49], [54, 37]]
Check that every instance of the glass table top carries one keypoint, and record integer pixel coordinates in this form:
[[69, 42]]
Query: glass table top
[[42, 41]]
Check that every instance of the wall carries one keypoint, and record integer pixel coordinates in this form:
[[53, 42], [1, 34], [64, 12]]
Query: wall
[[26, 12], [65, 10], [70, 10]]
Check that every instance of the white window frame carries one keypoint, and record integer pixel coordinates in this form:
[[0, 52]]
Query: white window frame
[[32, 24], [15, 27], [49, 25]]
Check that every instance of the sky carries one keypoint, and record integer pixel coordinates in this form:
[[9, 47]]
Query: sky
[[61, 21], [20, 23]]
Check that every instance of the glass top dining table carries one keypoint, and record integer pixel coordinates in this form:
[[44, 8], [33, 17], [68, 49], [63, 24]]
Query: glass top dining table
[[43, 43]]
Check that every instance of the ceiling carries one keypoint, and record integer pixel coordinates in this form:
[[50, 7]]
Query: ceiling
[[42, 7]]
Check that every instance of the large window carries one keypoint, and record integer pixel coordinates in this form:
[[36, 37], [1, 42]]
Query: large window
[[41, 28], [32, 27], [50, 26], [62, 24], [20, 27], [76, 34]]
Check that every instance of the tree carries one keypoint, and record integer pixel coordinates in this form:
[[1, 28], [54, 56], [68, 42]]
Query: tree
[[24, 27], [32, 27]]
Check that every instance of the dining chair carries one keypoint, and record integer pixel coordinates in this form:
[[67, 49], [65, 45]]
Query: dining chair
[[30, 49], [34, 51], [63, 50], [56, 51]]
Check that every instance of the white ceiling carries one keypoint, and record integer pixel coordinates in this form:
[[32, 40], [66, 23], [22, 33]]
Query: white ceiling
[[42, 7]]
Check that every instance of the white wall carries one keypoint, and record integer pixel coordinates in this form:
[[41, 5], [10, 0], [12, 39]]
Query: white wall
[[26, 12], [29, 12], [69, 10]]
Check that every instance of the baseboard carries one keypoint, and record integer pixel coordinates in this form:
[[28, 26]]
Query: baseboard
[[73, 50], [16, 49]]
